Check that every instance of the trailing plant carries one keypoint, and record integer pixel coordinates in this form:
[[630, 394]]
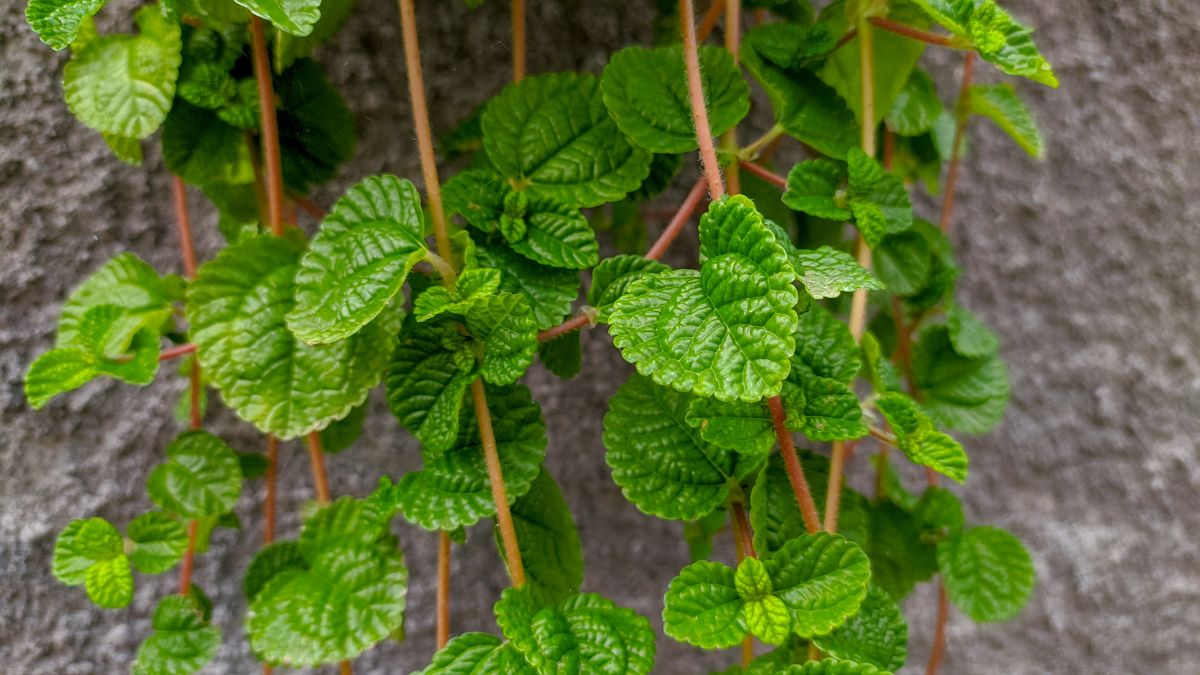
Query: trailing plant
[[785, 326]]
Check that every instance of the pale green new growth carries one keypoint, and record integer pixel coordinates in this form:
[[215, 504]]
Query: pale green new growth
[[183, 641], [919, 439], [201, 478], [91, 552], [998, 37], [57, 22], [702, 607], [159, 542], [1000, 104]]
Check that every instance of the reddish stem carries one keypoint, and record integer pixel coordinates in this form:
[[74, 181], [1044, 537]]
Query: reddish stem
[[795, 472], [765, 174], [741, 530], [189, 556], [709, 20], [443, 589], [271, 477], [518, 37], [569, 326], [939, 632], [842, 41], [188, 251], [682, 216], [691, 60], [176, 352], [310, 207], [317, 459], [914, 33], [270, 125], [345, 669], [491, 456], [964, 96]]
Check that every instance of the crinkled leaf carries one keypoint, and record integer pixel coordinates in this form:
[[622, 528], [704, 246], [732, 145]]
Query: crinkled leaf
[[815, 187], [613, 275], [827, 272], [429, 373], [743, 427], [919, 439], [549, 542], [646, 93], [968, 335], [201, 149], [508, 330], [452, 490], [477, 653], [877, 635], [296, 17], [82, 544], [316, 129], [67, 368], [553, 134], [587, 633], [57, 22], [987, 572], [825, 347], [290, 47], [725, 331], [202, 477], [125, 282], [768, 619], [899, 557], [662, 464], [109, 582], [1001, 104], [822, 578], [702, 607], [550, 291], [183, 642], [159, 542], [832, 667], [237, 306], [998, 37], [359, 259], [916, 107], [904, 262], [271, 560], [124, 84], [751, 580], [878, 199], [822, 408], [959, 392]]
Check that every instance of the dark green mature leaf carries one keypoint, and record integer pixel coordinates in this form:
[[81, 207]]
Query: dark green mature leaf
[[899, 557], [916, 107], [825, 347], [552, 135], [702, 607], [613, 275], [940, 510], [316, 129], [904, 262], [428, 375], [877, 368], [359, 259], [203, 150], [877, 635], [815, 187], [183, 641], [289, 47], [201, 478], [57, 22], [969, 336], [347, 595], [807, 108], [943, 271], [452, 490], [746, 428], [662, 464], [508, 330], [343, 433], [296, 17], [987, 572], [822, 408], [774, 516], [549, 542], [477, 653], [725, 331], [159, 542], [822, 578], [878, 199], [550, 291], [563, 355], [646, 93], [919, 439], [270, 561], [238, 304], [958, 391], [587, 633], [1001, 104], [124, 84]]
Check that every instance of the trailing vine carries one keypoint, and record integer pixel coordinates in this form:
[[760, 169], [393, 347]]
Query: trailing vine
[[785, 326]]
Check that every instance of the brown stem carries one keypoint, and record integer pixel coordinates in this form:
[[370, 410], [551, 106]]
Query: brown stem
[[186, 248], [743, 544], [194, 412], [733, 34], [939, 631], [316, 458], [691, 60], [345, 668], [765, 174], [176, 352], [569, 326], [960, 128], [883, 437], [189, 557], [845, 39], [443, 589], [889, 148], [420, 110], [903, 343], [915, 33], [310, 207], [271, 477], [795, 472], [270, 125], [709, 20], [518, 37], [690, 204], [504, 522]]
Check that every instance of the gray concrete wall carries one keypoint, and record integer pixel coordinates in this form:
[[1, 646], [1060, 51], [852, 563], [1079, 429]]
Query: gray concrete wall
[[1084, 263]]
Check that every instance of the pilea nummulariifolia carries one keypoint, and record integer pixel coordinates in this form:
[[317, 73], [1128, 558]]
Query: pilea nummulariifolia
[[791, 323]]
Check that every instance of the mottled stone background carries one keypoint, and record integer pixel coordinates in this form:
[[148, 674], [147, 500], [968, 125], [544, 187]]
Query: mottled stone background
[[1084, 263]]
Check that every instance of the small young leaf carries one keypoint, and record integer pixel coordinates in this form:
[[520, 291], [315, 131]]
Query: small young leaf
[[125, 282], [822, 578], [110, 582], [67, 368], [877, 635], [751, 580], [549, 542], [271, 560], [201, 478], [593, 634], [768, 619], [878, 199], [988, 573], [182, 642], [1000, 104], [550, 291], [359, 259], [959, 392], [827, 272], [613, 275], [57, 22], [646, 93], [296, 17], [508, 330], [813, 187], [159, 542], [430, 371], [663, 465], [746, 428], [553, 134], [82, 544], [702, 607], [822, 408], [920, 441], [999, 38]]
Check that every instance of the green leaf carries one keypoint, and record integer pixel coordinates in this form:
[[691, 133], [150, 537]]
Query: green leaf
[[878, 369], [183, 641], [646, 93], [877, 635], [128, 150], [270, 561], [832, 667], [1000, 104], [124, 84], [775, 517], [943, 271], [746, 428], [550, 291], [478, 196], [899, 557], [702, 607], [662, 464], [825, 347], [549, 542], [998, 37], [904, 262], [724, 332], [939, 509], [452, 490], [296, 17], [563, 355], [429, 373], [316, 129], [477, 653], [768, 619], [822, 578], [359, 259], [807, 108], [959, 392], [508, 330], [878, 199], [699, 534], [815, 187], [552, 134], [237, 306], [290, 47], [349, 596], [159, 542], [822, 408], [751, 580], [83, 544], [916, 107], [613, 275], [67, 368], [341, 434], [987, 572], [515, 611], [109, 582], [125, 282], [203, 150], [920, 440], [587, 633], [827, 272], [57, 22], [201, 478], [969, 336]]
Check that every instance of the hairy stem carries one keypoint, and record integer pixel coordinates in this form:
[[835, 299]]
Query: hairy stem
[[960, 128], [791, 463], [504, 521], [270, 126], [939, 631], [518, 38], [443, 589], [691, 59], [316, 458], [765, 174], [916, 33]]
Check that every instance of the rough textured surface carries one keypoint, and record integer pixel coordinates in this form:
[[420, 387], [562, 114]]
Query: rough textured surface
[[1085, 264]]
